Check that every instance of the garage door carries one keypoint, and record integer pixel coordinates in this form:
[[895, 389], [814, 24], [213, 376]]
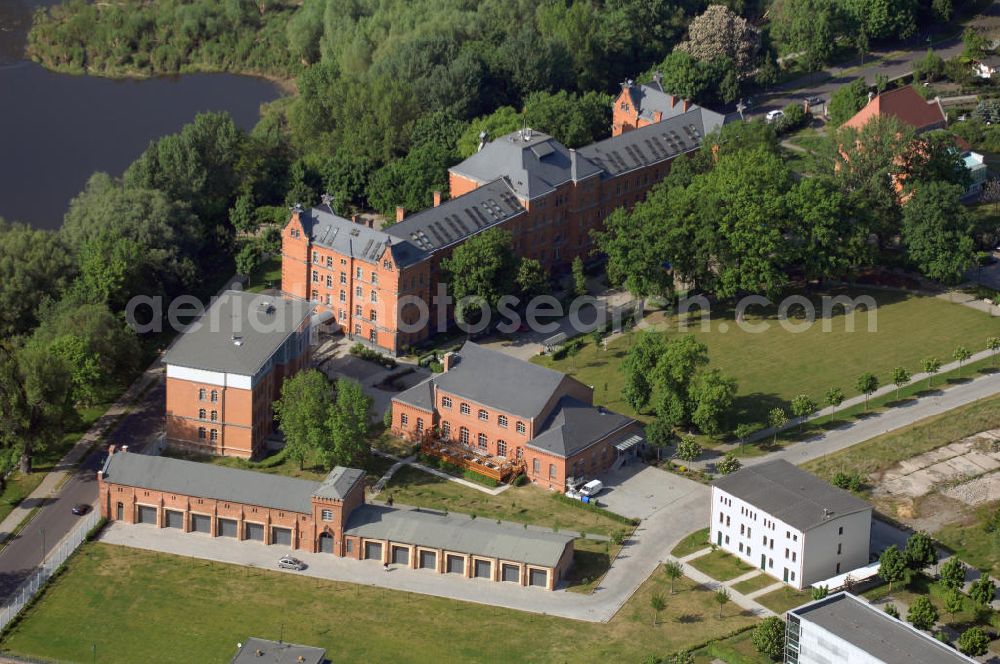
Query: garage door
[[254, 531], [483, 569], [325, 543], [428, 560], [456, 565], [511, 574], [282, 536], [400, 555], [227, 528], [173, 519], [201, 523], [538, 577], [373, 551], [146, 515]]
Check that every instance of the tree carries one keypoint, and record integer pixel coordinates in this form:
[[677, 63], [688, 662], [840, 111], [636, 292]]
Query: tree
[[931, 366], [409, 182], [688, 449], [33, 263], [891, 609], [387, 417], [777, 419], [657, 603], [938, 232], [834, 397], [928, 68], [729, 464], [720, 33], [532, 279], [900, 378], [742, 432], [482, 269], [892, 566], [304, 416], [572, 119], [962, 356], [242, 216], [993, 344], [953, 603], [953, 573], [922, 614], [920, 552], [807, 27], [674, 570], [660, 434], [711, 395], [803, 407], [638, 366], [867, 383], [721, 597], [983, 590], [248, 258], [349, 424], [635, 248], [502, 121], [768, 637], [974, 642], [847, 100], [579, 278]]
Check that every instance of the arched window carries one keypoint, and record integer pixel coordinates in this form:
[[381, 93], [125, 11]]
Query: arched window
[[501, 448], [482, 441], [215, 396], [201, 413], [446, 431], [483, 415], [420, 425], [464, 409], [446, 402], [201, 394], [463, 436], [215, 415]]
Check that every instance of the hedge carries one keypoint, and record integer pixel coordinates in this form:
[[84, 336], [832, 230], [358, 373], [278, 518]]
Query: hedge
[[594, 508]]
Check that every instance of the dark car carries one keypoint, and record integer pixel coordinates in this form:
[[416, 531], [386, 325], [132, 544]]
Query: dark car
[[80, 509], [813, 101]]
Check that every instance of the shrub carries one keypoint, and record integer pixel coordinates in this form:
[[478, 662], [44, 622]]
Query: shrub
[[363, 352], [974, 642], [795, 117], [730, 464], [688, 449], [849, 481], [891, 610], [594, 507], [768, 637], [520, 480], [436, 367]]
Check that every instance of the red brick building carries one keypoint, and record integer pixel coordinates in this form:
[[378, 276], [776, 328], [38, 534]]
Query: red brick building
[[547, 196], [502, 409], [226, 370], [640, 105], [328, 517]]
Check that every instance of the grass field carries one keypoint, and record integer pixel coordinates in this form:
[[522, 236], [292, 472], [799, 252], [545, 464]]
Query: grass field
[[774, 366], [696, 541], [201, 609], [267, 275], [720, 565], [523, 504], [755, 583], [786, 598], [971, 541], [920, 585]]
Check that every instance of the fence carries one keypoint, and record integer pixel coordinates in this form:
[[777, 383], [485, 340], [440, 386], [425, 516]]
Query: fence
[[27, 590]]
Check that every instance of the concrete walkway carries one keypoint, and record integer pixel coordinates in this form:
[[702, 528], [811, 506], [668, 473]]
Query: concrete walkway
[[744, 600], [411, 461], [54, 479]]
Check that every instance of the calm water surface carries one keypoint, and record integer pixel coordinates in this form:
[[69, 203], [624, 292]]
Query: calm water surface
[[55, 129]]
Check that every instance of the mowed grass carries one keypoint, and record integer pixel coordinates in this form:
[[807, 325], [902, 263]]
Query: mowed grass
[[523, 504], [696, 541], [882, 452], [267, 275], [720, 565], [783, 599], [972, 542], [755, 583], [775, 365], [140, 606]]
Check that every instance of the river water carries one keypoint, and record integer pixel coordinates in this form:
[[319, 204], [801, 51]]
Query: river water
[[56, 129]]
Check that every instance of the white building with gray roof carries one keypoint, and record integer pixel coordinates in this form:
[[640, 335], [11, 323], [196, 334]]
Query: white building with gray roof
[[789, 523], [845, 629]]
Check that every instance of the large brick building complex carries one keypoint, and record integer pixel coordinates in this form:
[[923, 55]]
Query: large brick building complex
[[506, 409], [549, 197], [226, 370], [324, 517]]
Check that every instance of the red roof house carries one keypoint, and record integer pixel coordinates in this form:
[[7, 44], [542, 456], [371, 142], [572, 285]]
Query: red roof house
[[904, 104]]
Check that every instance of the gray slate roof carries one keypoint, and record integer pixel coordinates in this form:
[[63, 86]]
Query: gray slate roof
[[653, 143], [491, 378], [459, 533], [262, 323], [329, 230], [573, 426], [205, 480], [339, 482], [875, 632], [533, 163], [420, 395], [458, 218], [790, 494], [650, 97], [277, 652]]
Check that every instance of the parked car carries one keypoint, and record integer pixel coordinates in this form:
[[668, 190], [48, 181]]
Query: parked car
[[80, 509], [592, 488], [814, 101], [774, 116], [287, 562]]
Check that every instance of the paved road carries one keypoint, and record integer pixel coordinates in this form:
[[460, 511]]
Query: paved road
[[54, 518]]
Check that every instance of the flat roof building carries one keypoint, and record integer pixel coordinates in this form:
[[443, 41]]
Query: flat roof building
[[844, 629], [790, 523], [265, 651]]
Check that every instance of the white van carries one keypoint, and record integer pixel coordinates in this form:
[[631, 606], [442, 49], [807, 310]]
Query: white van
[[591, 488]]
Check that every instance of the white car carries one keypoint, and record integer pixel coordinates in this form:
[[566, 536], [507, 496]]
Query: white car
[[591, 488], [774, 116], [287, 562]]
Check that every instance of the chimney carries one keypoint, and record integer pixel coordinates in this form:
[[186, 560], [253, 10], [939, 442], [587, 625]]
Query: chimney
[[658, 79], [448, 361], [356, 218], [437, 198], [871, 95], [673, 101], [124, 448], [687, 105], [369, 222], [572, 164], [111, 449], [400, 213]]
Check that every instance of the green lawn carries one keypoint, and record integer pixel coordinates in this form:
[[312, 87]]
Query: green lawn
[[737, 649], [720, 565], [267, 275], [696, 541], [755, 583], [920, 585], [774, 366], [972, 543], [155, 608], [786, 598], [522, 504], [591, 560]]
